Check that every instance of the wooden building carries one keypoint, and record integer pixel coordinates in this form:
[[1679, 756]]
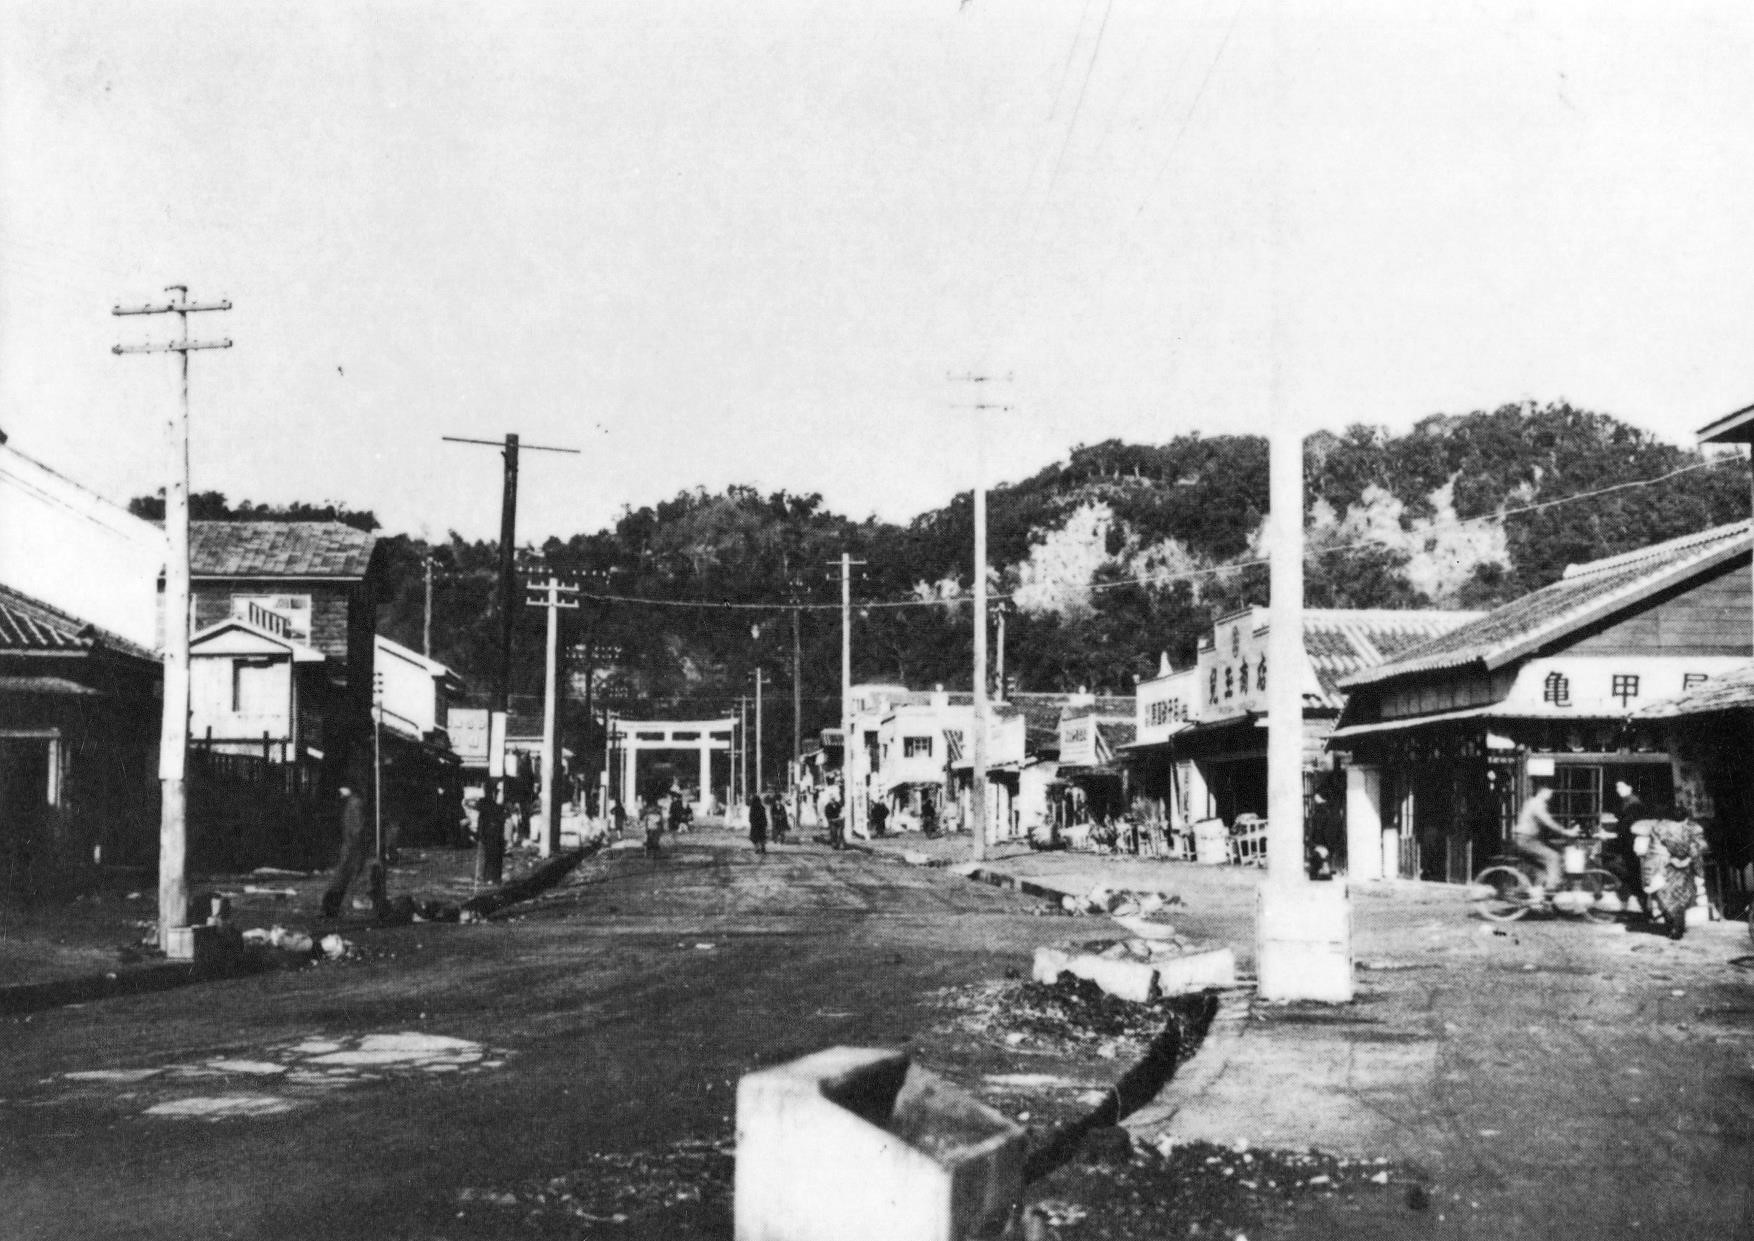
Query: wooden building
[[1444, 742], [285, 630], [1202, 749], [79, 725]]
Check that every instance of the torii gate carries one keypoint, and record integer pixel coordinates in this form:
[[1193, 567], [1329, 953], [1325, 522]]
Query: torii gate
[[701, 735]]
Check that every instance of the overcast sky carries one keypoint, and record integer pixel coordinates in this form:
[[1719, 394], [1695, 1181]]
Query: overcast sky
[[750, 242]]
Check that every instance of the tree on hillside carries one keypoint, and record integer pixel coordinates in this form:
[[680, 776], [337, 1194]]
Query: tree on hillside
[[213, 506]]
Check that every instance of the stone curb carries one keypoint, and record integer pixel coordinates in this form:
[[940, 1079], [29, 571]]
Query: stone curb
[[1209, 1062], [35, 997]]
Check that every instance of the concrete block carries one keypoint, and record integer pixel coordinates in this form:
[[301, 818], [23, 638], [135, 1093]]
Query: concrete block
[[200, 944], [1050, 963], [1137, 969], [857, 1144], [1126, 980], [1196, 971], [1303, 941]]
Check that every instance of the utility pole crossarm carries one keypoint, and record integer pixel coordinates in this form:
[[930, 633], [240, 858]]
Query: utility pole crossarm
[[463, 439], [175, 346], [165, 308]]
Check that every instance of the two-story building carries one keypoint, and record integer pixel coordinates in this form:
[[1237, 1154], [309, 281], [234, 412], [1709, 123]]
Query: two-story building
[[919, 740], [284, 638], [1444, 741]]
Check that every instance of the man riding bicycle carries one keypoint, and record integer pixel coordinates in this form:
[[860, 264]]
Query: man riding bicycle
[[1534, 823]]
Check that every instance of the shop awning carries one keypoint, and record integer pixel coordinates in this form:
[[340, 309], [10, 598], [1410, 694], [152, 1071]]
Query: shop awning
[[1385, 726], [1494, 711]]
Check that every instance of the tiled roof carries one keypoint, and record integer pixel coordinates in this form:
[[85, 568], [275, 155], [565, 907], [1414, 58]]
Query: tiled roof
[[1727, 691], [1118, 733], [27, 624], [1341, 641], [1587, 593], [278, 549]]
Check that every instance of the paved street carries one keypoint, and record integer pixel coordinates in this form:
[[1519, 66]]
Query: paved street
[[1561, 1079]]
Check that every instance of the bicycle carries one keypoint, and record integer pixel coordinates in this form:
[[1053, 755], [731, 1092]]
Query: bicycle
[[1504, 890]]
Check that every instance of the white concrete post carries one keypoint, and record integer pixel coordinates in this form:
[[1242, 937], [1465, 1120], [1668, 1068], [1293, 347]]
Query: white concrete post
[[706, 773]]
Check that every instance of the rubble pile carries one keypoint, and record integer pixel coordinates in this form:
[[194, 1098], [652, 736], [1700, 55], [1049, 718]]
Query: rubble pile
[[1072, 1017], [1118, 902], [1203, 1190], [693, 1175]]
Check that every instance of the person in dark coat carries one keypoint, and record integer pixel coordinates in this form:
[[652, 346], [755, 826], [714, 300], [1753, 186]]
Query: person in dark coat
[[1623, 847], [778, 821], [357, 850], [757, 824], [832, 811]]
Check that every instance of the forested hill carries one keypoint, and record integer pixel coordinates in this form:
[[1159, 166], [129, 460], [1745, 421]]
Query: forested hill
[[1109, 558]]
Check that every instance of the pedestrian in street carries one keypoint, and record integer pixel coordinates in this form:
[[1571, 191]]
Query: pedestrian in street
[[928, 817], [357, 850], [1623, 852], [757, 823], [1674, 865], [831, 811], [879, 817], [778, 821], [651, 818]]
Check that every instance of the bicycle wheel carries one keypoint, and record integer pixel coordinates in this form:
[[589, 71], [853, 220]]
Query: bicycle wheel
[[1608, 892], [1501, 893]]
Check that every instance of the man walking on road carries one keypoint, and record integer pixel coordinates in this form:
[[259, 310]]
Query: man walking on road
[[356, 853], [837, 827], [757, 823], [1632, 810]]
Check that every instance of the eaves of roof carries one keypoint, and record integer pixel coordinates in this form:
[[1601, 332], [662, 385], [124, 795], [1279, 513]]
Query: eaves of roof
[[30, 626], [1588, 593], [1727, 691]]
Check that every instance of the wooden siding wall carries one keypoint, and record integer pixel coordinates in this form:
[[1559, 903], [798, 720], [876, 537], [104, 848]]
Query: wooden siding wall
[[1458, 691], [332, 604], [1710, 617]]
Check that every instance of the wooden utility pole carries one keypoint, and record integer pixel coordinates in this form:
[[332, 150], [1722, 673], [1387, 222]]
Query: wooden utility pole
[[760, 768], [174, 936], [426, 627], [378, 763], [490, 843], [556, 598], [797, 710], [740, 791], [851, 806], [978, 750], [999, 655]]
